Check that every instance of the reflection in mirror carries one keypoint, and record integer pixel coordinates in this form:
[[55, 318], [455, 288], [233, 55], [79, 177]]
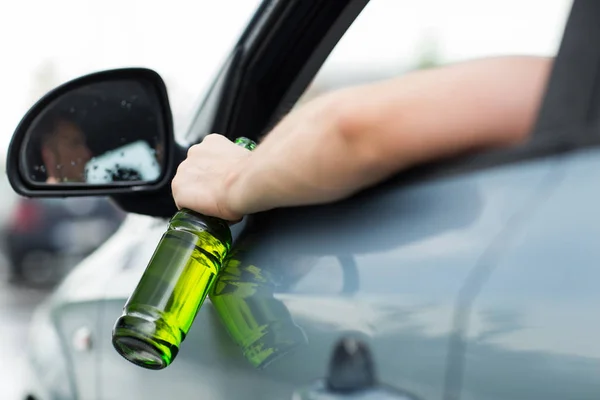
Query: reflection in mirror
[[100, 133]]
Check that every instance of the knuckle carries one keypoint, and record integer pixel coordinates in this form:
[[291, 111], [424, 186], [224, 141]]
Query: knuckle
[[175, 186], [212, 137], [180, 170], [193, 150]]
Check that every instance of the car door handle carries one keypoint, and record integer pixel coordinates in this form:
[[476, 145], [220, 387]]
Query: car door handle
[[351, 374]]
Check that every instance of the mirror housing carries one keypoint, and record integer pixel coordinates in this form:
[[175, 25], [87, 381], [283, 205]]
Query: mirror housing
[[134, 118]]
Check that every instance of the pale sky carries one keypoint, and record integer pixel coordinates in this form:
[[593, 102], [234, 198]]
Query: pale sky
[[186, 40]]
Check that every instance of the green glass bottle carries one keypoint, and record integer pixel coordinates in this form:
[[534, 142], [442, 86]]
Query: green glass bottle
[[159, 313], [258, 323]]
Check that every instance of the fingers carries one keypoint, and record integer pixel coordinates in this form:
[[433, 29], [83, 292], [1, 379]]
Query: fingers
[[200, 181], [237, 221]]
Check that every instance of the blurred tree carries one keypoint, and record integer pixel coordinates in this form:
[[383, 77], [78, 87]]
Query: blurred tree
[[429, 55]]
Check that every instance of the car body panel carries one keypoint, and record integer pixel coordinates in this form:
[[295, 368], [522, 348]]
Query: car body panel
[[534, 326], [54, 369], [417, 250], [48, 372]]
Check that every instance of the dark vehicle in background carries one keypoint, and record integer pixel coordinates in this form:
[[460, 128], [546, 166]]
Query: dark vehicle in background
[[44, 238], [472, 278]]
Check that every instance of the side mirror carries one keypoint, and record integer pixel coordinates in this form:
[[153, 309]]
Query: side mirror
[[105, 133]]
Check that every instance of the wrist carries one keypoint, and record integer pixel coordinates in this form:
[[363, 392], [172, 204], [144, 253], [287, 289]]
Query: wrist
[[235, 194]]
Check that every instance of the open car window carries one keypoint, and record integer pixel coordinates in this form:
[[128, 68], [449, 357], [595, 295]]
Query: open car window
[[392, 37]]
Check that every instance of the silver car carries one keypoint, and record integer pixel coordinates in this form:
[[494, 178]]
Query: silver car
[[471, 278]]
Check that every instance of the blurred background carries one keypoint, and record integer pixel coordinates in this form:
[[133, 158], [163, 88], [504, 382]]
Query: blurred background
[[48, 42]]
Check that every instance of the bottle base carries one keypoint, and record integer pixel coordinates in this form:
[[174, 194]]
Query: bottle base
[[134, 340]]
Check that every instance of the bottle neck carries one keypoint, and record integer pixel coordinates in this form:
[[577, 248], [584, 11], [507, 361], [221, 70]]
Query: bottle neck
[[186, 219]]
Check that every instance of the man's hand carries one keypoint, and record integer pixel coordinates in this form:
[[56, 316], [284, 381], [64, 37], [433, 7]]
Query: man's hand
[[345, 141], [203, 180]]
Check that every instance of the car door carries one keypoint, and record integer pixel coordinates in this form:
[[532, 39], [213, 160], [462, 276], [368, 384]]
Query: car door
[[351, 268], [528, 326], [398, 266]]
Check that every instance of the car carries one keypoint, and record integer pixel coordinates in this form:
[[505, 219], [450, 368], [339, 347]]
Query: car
[[46, 237], [472, 277]]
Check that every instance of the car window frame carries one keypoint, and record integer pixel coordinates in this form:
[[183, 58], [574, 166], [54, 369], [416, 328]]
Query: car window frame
[[300, 34], [236, 96]]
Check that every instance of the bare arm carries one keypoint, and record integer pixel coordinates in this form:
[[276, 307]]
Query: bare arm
[[350, 139]]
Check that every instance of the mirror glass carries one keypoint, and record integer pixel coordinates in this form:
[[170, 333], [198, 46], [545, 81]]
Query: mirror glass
[[101, 133]]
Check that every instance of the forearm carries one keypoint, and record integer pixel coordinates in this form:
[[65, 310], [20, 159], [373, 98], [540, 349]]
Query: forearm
[[353, 138], [437, 113], [298, 162]]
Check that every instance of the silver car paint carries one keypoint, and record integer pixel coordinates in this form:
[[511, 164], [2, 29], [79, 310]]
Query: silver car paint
[[480, 286]]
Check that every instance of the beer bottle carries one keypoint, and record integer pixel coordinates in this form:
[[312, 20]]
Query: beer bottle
[[160, 311], [243, 296]]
